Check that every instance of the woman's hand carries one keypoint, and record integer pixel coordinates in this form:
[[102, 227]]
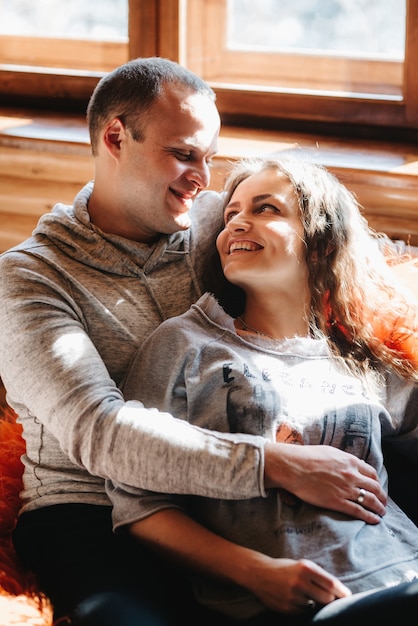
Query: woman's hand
[[290, 586], [326, 477], [283, 585]]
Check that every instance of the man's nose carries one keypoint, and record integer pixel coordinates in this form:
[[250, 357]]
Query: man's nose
[[200, 175]]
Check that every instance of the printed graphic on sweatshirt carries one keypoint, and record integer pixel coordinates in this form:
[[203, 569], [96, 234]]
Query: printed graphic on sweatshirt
[[287, 407]]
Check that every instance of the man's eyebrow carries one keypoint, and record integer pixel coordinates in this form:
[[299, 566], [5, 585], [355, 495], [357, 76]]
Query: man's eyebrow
[[190, 144]]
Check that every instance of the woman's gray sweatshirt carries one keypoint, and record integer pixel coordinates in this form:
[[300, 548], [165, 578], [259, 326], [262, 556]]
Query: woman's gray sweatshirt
[[75, 304], [198, 368]]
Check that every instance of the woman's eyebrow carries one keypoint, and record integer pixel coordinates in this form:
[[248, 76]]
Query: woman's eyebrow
[[262, 196], [257, 198]]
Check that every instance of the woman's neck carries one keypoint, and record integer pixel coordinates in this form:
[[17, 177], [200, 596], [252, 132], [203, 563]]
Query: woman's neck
[[276, 320]]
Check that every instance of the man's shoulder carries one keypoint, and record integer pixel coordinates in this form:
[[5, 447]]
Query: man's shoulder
[[20, 250], [208, 200], [208, 195], [207, 210]]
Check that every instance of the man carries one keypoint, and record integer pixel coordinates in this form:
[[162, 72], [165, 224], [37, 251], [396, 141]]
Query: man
[[76, 300]]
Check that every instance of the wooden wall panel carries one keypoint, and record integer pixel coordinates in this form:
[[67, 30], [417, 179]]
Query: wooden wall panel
[[47, 161]]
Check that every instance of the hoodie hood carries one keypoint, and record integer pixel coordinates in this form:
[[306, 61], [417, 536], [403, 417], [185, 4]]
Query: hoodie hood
[[70, 229]]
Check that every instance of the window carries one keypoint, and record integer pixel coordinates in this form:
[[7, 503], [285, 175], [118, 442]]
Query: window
[[52, 52], [293, 61], [309, 61], [335, 46], [76, 34]]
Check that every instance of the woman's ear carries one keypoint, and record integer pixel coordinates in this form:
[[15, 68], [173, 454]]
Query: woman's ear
[[322, 254], [330, 248]]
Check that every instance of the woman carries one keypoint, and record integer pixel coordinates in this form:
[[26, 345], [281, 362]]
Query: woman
[[314, 352]]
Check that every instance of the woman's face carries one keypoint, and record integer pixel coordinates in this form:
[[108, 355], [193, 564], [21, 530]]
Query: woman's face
[[262, 245]]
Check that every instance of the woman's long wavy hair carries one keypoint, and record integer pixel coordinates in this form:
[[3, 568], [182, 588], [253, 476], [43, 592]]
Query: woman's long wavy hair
[[355, 300]]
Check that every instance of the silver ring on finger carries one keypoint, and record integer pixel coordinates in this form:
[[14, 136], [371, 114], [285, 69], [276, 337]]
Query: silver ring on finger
[[361, 495], [310, 604]]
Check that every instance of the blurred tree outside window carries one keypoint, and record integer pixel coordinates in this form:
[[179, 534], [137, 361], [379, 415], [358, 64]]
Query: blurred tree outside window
[[76, 19], [356, 28]]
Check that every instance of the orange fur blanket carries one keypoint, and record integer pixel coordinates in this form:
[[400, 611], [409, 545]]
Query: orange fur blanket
[[20, 600]]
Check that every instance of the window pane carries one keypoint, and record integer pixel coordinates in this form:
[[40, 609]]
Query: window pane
[[86, 35], [344, 47], [80, 19], [361, 28]]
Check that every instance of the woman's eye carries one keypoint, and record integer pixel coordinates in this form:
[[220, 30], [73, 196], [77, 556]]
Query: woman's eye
[[228, 216], [268, 207]]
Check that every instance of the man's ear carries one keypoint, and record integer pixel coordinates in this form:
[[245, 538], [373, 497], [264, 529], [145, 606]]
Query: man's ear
[[114, 135]]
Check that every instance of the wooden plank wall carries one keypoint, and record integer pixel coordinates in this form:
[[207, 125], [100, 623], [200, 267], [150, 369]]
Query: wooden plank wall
[[31, 181], [43, 160], [46, 159]]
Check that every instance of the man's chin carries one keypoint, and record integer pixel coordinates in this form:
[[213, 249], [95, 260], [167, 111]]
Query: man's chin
[[183, 221]]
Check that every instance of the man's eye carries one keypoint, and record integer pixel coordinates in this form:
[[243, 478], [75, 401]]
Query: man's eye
[[183, 156]]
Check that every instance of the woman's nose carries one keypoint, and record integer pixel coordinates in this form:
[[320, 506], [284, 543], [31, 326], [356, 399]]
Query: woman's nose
[[238, 222]]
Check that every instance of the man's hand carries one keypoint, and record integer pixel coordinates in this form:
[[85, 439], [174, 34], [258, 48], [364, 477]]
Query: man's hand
[[326, 477]]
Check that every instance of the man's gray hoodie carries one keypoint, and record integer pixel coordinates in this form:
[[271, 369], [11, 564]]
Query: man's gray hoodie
[[75, 304]]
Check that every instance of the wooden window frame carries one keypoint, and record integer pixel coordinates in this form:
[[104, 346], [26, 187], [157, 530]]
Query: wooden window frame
[[32, 85], [249, 104], [88, 56], [158, 27], [289, 70]]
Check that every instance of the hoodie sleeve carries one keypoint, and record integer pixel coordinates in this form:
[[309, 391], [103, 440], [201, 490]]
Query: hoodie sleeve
[[77, 425], [400, 430], [165, 373]]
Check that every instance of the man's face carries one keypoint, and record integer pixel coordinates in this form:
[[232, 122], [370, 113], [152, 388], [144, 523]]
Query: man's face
[[162, 174]]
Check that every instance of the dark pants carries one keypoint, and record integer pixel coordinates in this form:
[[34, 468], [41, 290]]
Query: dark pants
[[392, 605], [98, 578], [85, 569]]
